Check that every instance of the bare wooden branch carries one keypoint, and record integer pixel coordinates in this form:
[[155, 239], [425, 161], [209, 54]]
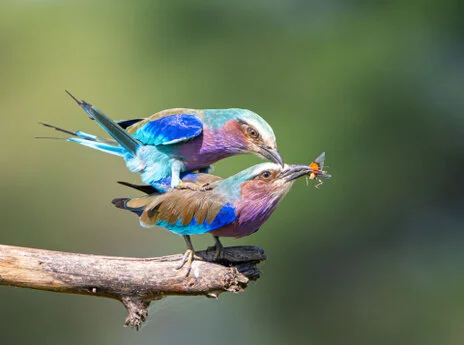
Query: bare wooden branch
[[133, 281]]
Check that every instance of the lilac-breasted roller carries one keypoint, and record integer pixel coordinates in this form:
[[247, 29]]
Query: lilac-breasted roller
[[233, 207], [174, 141]]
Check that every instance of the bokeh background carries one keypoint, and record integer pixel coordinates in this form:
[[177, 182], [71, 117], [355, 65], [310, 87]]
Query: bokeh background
[[375, 256]]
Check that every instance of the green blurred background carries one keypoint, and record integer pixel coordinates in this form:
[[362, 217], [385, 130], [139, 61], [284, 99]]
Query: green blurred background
[[375, 256]]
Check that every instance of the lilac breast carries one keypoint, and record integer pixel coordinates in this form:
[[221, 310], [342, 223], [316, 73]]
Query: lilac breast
[[238, 230], [252, 214], [208, 148]]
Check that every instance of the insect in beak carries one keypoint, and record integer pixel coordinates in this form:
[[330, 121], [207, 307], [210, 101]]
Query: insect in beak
[[316, 172]]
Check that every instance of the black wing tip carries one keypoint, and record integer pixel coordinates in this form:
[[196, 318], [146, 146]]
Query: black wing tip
[[48, 125], [120, 202], [54, 138], [74, 134], [147, 189], [74, 98]]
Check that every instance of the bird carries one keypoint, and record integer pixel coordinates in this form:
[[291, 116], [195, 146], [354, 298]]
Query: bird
[[179, 140], [233, 207]]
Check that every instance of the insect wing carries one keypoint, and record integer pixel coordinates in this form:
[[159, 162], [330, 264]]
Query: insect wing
[[320, 160]]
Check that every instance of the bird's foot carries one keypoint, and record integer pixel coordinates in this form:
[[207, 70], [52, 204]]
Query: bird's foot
[[218, 250], [187, 260], [219, 254]]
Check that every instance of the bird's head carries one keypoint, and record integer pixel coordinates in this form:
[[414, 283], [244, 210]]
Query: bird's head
[[257, 191], [245, 132], [266, 181]]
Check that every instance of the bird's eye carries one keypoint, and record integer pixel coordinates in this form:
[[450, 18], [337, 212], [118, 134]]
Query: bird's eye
[[252, 132], [266, 175]]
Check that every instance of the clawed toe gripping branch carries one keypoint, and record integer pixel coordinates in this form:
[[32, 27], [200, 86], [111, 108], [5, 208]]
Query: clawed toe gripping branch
[[136, 282]]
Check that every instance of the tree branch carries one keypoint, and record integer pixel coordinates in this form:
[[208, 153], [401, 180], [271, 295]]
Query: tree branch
[[133, 281]]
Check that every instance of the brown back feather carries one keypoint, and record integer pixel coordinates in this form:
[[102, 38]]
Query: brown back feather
[[201, 179], [179, 203]]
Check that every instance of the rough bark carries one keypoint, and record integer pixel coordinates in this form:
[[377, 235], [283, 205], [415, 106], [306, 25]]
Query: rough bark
[[133, 281]]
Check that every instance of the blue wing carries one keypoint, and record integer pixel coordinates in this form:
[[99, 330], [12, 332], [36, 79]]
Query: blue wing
[[169, 130]]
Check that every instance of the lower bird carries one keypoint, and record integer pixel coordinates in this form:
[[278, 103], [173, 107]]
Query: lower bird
[[233, 207]]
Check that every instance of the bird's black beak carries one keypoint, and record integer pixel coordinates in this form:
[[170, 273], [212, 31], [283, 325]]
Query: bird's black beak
[[294, 171], [273, 155]]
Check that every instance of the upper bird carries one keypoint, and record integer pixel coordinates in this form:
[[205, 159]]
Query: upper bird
[[173, 141]]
